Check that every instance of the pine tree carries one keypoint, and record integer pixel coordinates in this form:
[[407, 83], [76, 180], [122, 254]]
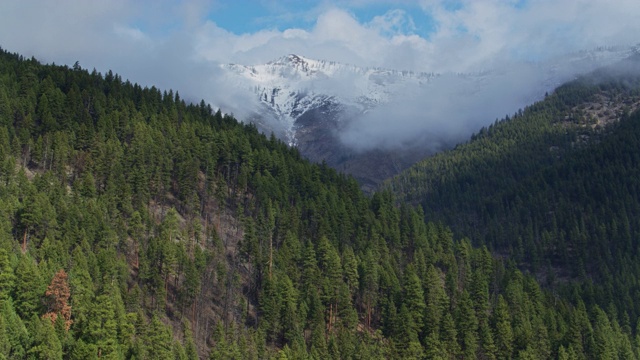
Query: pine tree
[[369, 285], [437, 302], [350, 269], [16, 333], [270, 303], [5, 345], [159, 340], [414, 298], [191, 352], [580, 334], [434, 349], [467, 326], [408, 344], [331, 269], [29, 288], [449, 336], [102, 329], [288, 310], [503, 331], [46, 344], [58, 295], [81, 286], [604, 342], [7, 277]]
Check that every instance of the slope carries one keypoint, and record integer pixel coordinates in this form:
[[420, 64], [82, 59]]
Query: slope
[[158, 229], [555, 187]]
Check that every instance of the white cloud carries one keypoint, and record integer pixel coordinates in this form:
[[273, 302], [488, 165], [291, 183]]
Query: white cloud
[[130, 33], [393, 22], [470, 36], [172, 44]]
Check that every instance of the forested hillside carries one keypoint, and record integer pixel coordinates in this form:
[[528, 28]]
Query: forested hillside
[[134, 225], [556, 188]]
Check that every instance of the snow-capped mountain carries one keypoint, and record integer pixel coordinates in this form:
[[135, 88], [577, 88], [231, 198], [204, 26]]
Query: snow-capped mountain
[[294, 85], [348, 115]]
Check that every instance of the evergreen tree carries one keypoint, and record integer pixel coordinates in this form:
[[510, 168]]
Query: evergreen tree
[[7, 277], [101, 330], [408, 345], [414, 298], [46, 344], [159, 340], [503, 333], [29, 288], [467, 326], [17, 335]]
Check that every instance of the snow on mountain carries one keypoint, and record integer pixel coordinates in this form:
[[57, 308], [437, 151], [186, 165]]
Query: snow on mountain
[[348, 115], [292, 85]]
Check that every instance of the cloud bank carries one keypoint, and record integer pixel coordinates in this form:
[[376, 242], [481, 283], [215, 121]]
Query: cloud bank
[[174, 44]]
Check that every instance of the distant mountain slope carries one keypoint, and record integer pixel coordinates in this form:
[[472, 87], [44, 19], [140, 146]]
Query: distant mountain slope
[[294, 85], [353, 117], [307, 103], [555, 187]]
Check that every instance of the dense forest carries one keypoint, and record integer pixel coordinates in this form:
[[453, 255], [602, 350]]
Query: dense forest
[[555, 187], [135, 225]]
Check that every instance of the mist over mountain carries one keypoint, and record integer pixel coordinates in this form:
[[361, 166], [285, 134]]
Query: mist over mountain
[[483, 59], [345, 114], [549, 187]]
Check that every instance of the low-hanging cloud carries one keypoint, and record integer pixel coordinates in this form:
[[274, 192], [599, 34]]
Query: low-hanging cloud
[[450, 107], [520, 46]]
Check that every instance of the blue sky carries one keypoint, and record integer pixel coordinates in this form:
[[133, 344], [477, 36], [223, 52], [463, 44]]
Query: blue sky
[[245, 16]]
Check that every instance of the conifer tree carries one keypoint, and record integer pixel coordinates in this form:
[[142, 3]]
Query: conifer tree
[[46, 344], [16, 333], [467, 326], [436, 300], [408, 344], [7, 277], [81, 287], [58, 295], [350, 269], [5, 345], [414, 298], [503, 331], [449, 336], [29, 288], [102, 331], [158, 340]]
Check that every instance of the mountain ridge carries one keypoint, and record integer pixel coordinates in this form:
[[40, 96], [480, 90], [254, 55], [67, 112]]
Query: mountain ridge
[[319, 106], [553, 187]]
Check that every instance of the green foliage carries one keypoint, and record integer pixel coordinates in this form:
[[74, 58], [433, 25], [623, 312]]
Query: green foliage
[[553, 188], [187, 234], [46, 344], [550, 189], [7, 277], [29, 288]]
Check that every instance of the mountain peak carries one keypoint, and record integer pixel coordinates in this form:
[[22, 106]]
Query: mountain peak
[[290, 60]]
